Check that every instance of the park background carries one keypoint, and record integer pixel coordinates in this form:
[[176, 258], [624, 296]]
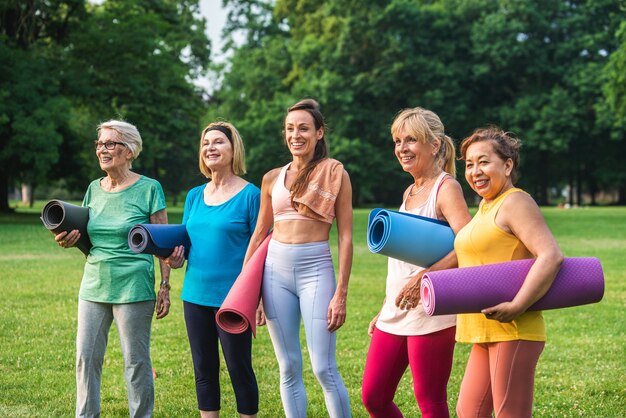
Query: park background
[[552, 72]]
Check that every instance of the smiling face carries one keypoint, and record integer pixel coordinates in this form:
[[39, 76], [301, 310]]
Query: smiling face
[[301, 134], [217, 151], [118, 158], [486, 172], [415, 157]]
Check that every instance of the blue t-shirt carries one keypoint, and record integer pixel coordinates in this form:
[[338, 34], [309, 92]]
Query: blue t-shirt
[[219, 236]]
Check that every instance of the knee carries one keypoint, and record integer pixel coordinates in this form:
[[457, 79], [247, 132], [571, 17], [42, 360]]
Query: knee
[[326, 375], [290, 370], [371, 400]]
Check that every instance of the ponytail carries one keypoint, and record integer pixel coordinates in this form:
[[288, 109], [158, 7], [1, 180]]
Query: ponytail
[[446, 156]]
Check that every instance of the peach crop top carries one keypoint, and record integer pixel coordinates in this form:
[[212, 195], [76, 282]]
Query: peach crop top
[[281, 200]]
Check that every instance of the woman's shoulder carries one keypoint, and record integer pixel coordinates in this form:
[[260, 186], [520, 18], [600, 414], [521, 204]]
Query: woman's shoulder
[[251, 189], [272, 174], [149, 181]]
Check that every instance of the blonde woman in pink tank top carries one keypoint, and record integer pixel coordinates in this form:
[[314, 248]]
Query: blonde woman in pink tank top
[[402, 331]]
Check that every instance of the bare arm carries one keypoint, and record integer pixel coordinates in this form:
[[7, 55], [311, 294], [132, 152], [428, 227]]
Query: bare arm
[[264, 223], [520, 216], [163, 298], [451, 204], [343, 212], [265, 219]]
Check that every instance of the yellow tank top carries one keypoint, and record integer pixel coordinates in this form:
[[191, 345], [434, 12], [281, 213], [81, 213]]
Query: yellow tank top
[[480, 242]]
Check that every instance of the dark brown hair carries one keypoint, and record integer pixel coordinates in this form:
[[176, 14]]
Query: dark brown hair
[[321, 147], [504, 144]]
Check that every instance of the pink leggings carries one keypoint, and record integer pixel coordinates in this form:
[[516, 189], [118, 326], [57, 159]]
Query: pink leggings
[[499, 377], [430, 358]]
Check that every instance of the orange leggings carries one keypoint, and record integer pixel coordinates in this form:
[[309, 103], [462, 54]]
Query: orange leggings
[[499, 377]]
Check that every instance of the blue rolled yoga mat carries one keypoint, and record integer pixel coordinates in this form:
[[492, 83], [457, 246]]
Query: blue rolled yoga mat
[[59, 216], [407, 237], [158, 239]]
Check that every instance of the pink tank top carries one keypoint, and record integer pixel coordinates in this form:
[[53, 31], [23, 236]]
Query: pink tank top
[[281, 200]]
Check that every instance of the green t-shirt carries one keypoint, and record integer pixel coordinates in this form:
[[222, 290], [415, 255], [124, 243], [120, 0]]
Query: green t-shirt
[[113, 273]]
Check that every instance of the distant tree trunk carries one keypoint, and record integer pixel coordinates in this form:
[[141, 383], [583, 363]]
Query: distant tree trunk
[[570, 192], [542, 188], [26, 193], [579, 188], [621, 199], [593, 189], [4, 193], [31, 201]]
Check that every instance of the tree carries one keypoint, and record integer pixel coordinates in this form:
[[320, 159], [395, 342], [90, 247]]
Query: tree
[[33, 113]]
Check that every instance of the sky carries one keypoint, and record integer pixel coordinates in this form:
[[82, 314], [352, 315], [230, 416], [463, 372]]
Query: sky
[[215, 15]]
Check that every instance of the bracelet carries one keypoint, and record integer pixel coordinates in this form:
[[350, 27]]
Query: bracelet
[[166, 284]]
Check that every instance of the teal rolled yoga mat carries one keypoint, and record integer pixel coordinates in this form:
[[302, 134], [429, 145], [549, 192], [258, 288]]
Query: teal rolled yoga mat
[[59, 216], [415, 239], [158, 239]]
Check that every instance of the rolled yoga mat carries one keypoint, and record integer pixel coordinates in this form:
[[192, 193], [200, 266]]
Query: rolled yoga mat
[[469, 290], [59, 216], [238, 312], [407, 237], [158, 239]]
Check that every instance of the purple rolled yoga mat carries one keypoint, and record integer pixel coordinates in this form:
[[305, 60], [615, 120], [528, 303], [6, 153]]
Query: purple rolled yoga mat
[[469, 290]]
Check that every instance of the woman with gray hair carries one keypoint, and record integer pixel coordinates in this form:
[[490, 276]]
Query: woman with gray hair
[[118, 284]]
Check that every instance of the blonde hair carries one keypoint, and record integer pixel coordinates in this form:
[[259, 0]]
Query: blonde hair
[[426, 127], [239, 153], [127, 133]]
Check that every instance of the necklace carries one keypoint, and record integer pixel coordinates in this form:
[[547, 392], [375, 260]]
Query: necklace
[[419, 189]]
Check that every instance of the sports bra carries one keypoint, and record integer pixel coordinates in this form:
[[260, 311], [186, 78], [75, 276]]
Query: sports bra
[[281, 200]]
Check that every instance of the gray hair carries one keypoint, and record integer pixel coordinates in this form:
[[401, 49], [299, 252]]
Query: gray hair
[[128, 134]]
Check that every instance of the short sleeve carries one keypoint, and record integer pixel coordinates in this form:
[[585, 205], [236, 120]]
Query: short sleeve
[[157, 200], [253, 207]]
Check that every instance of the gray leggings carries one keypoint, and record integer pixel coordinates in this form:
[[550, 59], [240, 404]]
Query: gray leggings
[[299, 282], [133, 322]]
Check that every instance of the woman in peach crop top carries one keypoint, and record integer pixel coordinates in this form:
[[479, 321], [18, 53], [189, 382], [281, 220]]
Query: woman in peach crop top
[[507, 340], [300, 201]]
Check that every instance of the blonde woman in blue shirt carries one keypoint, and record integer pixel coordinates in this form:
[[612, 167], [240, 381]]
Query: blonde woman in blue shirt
[[220, 217]]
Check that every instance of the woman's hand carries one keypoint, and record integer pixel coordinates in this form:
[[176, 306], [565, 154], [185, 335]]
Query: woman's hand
[[336, 312], [260, 314], [162, 307], [67, 239], [372, 326], [503, 312], [176, 259], [409, 296]]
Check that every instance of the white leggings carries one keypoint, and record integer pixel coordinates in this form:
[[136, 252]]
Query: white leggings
[[299, 281]]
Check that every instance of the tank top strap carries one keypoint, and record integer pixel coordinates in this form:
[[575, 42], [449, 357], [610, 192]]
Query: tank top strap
[[493, 207]]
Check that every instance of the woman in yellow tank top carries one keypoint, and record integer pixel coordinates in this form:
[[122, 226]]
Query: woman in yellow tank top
[[507, 340]]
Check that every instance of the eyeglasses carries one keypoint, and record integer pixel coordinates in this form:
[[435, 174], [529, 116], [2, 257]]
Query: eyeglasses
[[110, 145]]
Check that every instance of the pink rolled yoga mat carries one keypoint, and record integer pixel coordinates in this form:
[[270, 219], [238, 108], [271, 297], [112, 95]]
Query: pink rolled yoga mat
[[469, 290], [238, 312]]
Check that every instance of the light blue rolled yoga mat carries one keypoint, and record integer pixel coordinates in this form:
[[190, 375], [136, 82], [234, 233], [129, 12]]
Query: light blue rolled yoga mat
[[407, 237]]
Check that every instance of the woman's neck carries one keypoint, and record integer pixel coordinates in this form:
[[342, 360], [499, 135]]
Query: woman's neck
[[299, 163], [424, 178], [119, 177], [222, 178]]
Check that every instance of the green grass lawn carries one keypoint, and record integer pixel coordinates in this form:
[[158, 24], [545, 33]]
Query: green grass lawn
[[580, 374]]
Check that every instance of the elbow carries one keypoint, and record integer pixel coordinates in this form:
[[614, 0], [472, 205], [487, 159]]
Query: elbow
[[558, 257]]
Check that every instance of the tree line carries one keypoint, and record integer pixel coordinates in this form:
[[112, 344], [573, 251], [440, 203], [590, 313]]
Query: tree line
[[551, 71]]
